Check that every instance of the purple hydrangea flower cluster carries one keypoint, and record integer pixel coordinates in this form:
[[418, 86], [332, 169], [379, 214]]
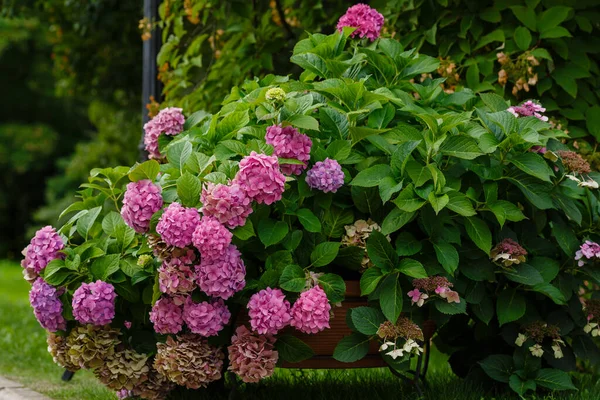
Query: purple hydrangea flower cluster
[[326, 176], [167, 315], [206, 319], [175, 277], [176, 225], [229, 204], [260, 177], [528, 109], [47, 306], [223, 276], [141, 200], [366, 20], [588, 250], [310, 313], [94, 303], [168, 121], [211, 238], [289, 143], [43, 248], [269, 311]]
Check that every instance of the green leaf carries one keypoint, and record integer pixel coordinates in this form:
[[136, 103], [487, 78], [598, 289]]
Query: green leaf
[[391, 298], [271, 232], [554, 379], [105, 266], [381, 252], [402, 154], [498, 367], [244, 232], [493, 101], [539, 194], [304, 122], [388, 187], [84, 223], [358, 133], [565, 237], [552, 17], [124, 235], [461, 146], [188, 189], [479, 233], [195, 119], [505, 210], [438, 202], [460, 204], [447, 256], [592, 116], [407, 244], [494, 36], [519, 385], [369, 280], [395, 220], [451, 308], [293, 279], [510, 306], [339, 150], [552, 292], [522, 37], [554, 33], [367, 319], [146, 170], [309, 220], [473, 76], [408, 201], [334, 287], [111, 221], [372, 176], [484, 310], [526, 15], [534, 165], [292, 349], [412, 268], [352, 348], [547, 267], [525, 274], [324, 253], [179, 153]]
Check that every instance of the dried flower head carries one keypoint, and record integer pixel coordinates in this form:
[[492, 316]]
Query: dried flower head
[[252, 356], [508, 252], [357, 235], [573, 162], [58, 348], [156, 387], [431, 283], [404, 328], [123, 370], [538, 331], [89, 345]]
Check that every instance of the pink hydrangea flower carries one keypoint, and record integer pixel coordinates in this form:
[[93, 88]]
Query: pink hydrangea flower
[[366, 20], [124, 394], [418, 298], [589, 250], [269, 311], [289, 143], [326, 176], [450, 295], [528, 109], [175, 277], [94, 303], [141, 200], [260, 177], [167, 315], [223, 276], [168, 121], [47, 306], [252, 357], [211, 238], [43, 248], [206, 319], [310, 313], [538, 149], [177, 224], [127, 324], [229, 204]]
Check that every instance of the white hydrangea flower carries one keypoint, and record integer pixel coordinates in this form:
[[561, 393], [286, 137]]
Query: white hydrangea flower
[[520, 339], [536, 350]]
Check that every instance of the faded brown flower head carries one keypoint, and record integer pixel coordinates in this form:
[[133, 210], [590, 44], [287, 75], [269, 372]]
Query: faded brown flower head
[[404, 328], [57, 347], [123, 370], [357, 235], [539, 330], [520, 71], [189, 361], [432, 283], [156, 387], [573, 162], [252, 356], [448, 70], [90, 345], [190, 12]]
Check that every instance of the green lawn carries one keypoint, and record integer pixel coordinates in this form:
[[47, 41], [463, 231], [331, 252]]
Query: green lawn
[[23, 357]]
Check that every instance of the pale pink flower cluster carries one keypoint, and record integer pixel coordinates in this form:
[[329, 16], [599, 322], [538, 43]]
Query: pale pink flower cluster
[[366, 20], [168, 121], [326, 176], [310, 313], [223, 276], [177, 224], [269, 311], [529, 109], [424, 288], [44, 247], [229, 204], [260, 177], [175, 277], [141, 200], [211, 238], [206, 318], [47, 306], [288, 142], [167, 315], [588, 251], [252, 357], [94, 303]]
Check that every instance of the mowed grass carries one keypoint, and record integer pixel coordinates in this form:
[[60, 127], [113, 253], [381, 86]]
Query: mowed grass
[[24, 358]]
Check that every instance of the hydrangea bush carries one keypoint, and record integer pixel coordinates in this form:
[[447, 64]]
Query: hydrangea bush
[[441, 204]]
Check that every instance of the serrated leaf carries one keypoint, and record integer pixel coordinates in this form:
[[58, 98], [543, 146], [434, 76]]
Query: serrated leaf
[[352, 348], [292, 349], [293, 278], [451, 308], [412, 268], [324, 253], [402, 154], [381, 252], [554, 379], [309, 220], [304, 122], [339, 150], [510, 306], [552, 292], [334, 287], [244, 232], [447, 256], [367, 319], [522, 37], [188, 189], [395, 220], [179, 153], [371, 176], [438, 202], [461, 146], [479, 233], [85, 222], [105, 266], [460, 204], [146, 170], [534, 165], [369, 281], [271, 232], [391, 299], [498, 367]]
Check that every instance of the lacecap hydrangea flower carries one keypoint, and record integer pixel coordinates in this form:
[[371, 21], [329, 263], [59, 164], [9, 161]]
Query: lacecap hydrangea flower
[[252, 357], [508, 252], [177, 224], [167, 315], [47, 306], [206, 318], [141, 200], [211, 238], [588, 251], [528, 109], [174, 277], [229, 204], [310, 313], [260, 177], [94, 303], [366, 20], [168, 121], [44, 247], [223, 276], [326, 176], [289, 143], [269, 311]]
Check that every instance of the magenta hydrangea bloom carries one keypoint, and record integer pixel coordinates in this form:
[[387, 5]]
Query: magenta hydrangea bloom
[[206, 319], [94, 303], [310, 313], [47, 306], [141, 200], [588, 250], [260, 177], [167, 315], [528, 109], [229, 204], [366, 20], [326, 176], [43, 248], [174, 277], [223, 276], [176, 225], [289, 143], [168, 121], [211, 238], [269, 311]]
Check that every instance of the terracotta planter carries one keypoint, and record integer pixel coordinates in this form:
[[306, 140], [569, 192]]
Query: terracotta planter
[[324, 343]]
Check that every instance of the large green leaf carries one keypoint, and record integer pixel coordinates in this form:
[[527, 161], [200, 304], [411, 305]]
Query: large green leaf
[[334, 287], [324, 253], [179, 153], [271, 232], [371, 176], [460, 204], [367, 319], [554, 379], [412, 268], [447, 256], [369, 280], [188, 189], [85, 223], [105, 266], [525, 274], [293, 278], [146, 170], [352, 348], [510, 306], [538, 193], [391, 298], [552, 292], [461, 146], [292, 349], [309, 220], [402, 154], [381, 252], [498, 367], [533, 164], [479, 233]]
